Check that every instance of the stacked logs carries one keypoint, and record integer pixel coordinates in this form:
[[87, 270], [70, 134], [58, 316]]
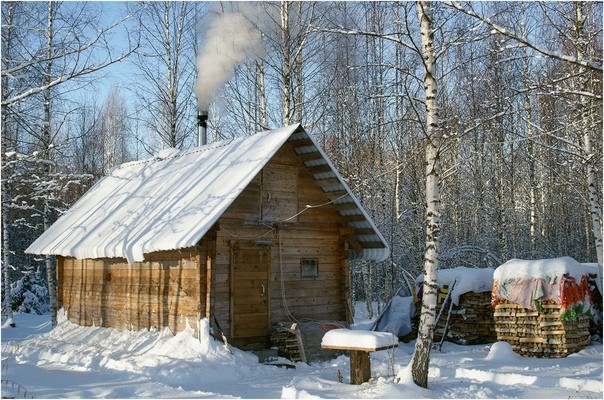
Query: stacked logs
[[540, 333], [286, 339], [470, 322], [301, 341]]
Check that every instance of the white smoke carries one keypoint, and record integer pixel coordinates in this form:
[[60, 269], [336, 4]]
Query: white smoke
[[230, 39]]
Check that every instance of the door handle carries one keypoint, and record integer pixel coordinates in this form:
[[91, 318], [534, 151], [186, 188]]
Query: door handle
[[262, 289]]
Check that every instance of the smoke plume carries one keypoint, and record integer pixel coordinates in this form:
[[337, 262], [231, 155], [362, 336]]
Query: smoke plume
[[230, 39]]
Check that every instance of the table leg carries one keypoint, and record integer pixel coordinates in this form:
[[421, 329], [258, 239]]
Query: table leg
[[360, 367]]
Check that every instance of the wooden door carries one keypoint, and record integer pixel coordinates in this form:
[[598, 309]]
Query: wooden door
[[250, 291]]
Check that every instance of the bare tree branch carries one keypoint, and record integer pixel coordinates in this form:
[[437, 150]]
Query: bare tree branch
[[591, 64]]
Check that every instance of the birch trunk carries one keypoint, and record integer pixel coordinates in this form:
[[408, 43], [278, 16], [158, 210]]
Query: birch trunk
[[8, 303], [287, 68], [6, 261], [421, 356], [595, 209], [46, 139], [260, 68], [528, 107], [299, 94]]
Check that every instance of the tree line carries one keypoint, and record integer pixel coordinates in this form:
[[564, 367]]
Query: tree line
[[518, 117]]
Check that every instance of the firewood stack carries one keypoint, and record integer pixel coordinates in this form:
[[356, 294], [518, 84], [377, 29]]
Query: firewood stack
[[285, 339], [464, 311], [470, 322], [301, 341], [543, 307], [540, 333]]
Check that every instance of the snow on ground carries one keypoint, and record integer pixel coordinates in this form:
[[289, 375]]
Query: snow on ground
[[91, 362]]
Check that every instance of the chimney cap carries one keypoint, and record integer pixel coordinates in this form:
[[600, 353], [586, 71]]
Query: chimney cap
[[202, 118]]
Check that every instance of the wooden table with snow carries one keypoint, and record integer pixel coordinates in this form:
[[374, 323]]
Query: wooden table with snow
[[359, 344]]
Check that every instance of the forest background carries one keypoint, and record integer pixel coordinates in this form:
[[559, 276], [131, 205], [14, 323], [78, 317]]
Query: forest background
[[89, 85]]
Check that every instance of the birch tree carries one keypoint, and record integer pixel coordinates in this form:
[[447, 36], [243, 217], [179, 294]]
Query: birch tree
[[587, 126], [8, 32], [55, 49], [166, 70], [421, 356]]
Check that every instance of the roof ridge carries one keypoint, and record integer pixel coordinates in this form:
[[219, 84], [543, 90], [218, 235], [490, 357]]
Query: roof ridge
[[193, 150]]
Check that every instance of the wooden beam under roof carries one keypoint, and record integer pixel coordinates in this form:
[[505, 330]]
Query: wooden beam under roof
[[364, 231], [329, 182], [354, 218], [348, 206], [319, 168]]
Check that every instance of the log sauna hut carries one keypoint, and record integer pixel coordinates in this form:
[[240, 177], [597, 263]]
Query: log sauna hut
[[246, 232]]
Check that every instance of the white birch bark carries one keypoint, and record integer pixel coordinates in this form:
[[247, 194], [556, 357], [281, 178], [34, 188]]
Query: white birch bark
[[421, 356], [6, 259], [595, 209], [287, 68], [8, 303], [51, 275], [260, 68]]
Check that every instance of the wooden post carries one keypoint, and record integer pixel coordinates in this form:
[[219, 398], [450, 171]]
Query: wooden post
[[360, 367], [208, 286]]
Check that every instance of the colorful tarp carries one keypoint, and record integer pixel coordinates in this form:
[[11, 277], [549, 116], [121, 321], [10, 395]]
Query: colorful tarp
[[532, 283]]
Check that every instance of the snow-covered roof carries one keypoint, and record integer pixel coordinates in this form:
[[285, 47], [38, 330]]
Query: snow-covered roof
[[171, 201]]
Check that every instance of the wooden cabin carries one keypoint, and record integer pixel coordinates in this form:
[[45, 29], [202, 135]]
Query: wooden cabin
[[247, 232]]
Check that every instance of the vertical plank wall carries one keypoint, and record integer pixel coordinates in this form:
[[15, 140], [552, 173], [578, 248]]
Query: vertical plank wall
[[257, 216], [163, 291]]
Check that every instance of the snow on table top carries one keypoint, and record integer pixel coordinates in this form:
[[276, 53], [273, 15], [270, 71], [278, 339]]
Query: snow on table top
[[529, 269], [348, 339], [466, 280]]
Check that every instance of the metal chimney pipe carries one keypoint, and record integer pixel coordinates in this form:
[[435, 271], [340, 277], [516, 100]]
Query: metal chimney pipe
[[202, 127]]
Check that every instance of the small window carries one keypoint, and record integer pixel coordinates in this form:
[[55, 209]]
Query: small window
[[309, 268]]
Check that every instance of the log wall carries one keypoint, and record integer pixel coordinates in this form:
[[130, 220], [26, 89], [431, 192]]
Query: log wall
[[163, 291]]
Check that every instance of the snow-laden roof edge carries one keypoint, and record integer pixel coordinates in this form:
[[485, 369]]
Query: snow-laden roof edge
[[377, 254]]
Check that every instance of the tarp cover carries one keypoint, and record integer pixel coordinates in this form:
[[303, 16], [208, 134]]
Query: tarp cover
[[529, 283]]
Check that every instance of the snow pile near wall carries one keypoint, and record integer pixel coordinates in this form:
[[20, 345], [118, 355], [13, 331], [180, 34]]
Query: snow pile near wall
[[502, 352], [466, 280], [158, 354]]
